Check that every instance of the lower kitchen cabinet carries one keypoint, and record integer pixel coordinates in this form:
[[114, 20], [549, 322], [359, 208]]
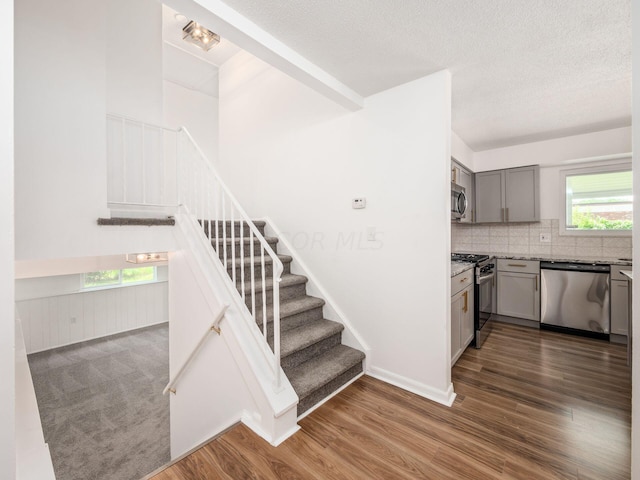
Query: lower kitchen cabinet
[[462, 308], [619, 301], [519, 289]]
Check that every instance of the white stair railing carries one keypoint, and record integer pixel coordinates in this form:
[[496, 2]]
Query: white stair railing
[[230, 231], [153, 166]]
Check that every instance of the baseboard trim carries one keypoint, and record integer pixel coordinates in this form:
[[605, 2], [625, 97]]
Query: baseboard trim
[[100, 337], [189, 452], [443, 397], [257, 429]]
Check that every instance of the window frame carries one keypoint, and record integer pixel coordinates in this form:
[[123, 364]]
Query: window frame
[[564, 173], [120, 283]]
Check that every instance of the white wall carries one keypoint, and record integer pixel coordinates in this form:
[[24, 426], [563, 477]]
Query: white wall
[[635, 425], [134, 59], [55, 311], [555, 155], [196, 111], [461, 151], [61, 103], [548, 152], [7, 324], [291, 154]]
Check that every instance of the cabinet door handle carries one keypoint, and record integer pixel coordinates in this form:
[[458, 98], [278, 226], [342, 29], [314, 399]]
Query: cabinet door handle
[[462, 280], [502, 213], [507, 213], [453, 174], [536, 283], [473, 216], [466, 301], [517, 265]]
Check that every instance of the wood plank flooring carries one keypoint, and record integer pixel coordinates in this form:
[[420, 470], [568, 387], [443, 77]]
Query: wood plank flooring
[[531, 405]]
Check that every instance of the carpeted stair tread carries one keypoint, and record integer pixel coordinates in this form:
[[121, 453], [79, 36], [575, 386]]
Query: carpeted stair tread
[[246, 240], [286, 280], [291, 307], [312, 355], [298, 305], [304, 336], [317, 372], [246, 261], [257, 223]]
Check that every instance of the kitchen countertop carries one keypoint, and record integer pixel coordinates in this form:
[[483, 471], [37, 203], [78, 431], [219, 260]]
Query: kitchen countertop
[[561, 258], [459, 267]]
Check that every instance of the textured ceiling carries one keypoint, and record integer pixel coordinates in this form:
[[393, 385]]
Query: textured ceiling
[[522, 70]]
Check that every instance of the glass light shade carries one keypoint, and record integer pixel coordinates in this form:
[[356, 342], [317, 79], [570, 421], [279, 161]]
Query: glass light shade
[[200, 36], [147, 257]]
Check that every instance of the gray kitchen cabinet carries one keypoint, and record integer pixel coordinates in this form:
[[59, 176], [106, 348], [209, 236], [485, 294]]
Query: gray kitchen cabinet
[[519, 289], [489, 197], [619, 301], [511, 195], [462, 308], [464, 177]]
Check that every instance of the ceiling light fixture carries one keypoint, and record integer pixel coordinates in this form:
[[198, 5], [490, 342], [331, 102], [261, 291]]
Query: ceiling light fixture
[[200, 36], [146, 257]]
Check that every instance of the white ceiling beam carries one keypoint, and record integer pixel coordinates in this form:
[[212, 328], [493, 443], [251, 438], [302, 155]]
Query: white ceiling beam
[[228, 23]]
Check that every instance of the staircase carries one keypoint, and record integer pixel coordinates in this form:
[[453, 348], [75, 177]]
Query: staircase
[[312, 354]]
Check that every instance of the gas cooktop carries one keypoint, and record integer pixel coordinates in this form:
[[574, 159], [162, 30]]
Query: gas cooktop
[[468, 257]]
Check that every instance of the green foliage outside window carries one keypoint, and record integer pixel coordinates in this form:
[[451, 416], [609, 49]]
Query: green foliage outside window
[[102, 278], [105, 278], [590, 221], [599, 198], [134, 275]]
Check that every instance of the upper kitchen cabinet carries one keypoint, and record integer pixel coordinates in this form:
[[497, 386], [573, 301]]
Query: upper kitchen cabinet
[[511, 195], [463, 177]]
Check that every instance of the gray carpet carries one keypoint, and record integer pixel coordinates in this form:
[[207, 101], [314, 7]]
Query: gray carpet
[[101, 405]]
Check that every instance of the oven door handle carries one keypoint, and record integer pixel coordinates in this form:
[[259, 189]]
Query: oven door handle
[[485, 278]]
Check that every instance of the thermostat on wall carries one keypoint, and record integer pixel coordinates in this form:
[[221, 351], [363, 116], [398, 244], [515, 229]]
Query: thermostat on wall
[[359, 202]]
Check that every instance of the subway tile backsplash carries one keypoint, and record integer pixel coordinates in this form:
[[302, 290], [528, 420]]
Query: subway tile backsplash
[[524, 239]]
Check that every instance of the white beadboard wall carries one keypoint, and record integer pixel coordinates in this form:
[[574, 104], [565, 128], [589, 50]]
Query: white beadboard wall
[[58, 320]]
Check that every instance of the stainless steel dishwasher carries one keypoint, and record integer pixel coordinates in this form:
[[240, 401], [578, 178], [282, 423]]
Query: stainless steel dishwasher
[[575, 298]]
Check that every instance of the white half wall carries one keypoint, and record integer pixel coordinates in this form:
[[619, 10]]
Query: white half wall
[[52, 318], [292, 155], [211, 395], [196, 111], [7, 322]]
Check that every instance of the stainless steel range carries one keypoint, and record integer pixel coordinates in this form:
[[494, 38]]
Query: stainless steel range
[[484, 294]]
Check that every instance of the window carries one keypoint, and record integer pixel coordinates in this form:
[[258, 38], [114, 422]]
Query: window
[[114, 278], [598, 200]]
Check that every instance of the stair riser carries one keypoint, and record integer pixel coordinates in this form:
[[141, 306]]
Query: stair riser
[[286, 293], [321, 393], [236, 229], [292, 321], [247, 250], [311, 351], [257, 271]]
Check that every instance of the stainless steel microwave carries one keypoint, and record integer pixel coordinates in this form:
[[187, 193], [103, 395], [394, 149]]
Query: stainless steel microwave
[[458, 202]]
